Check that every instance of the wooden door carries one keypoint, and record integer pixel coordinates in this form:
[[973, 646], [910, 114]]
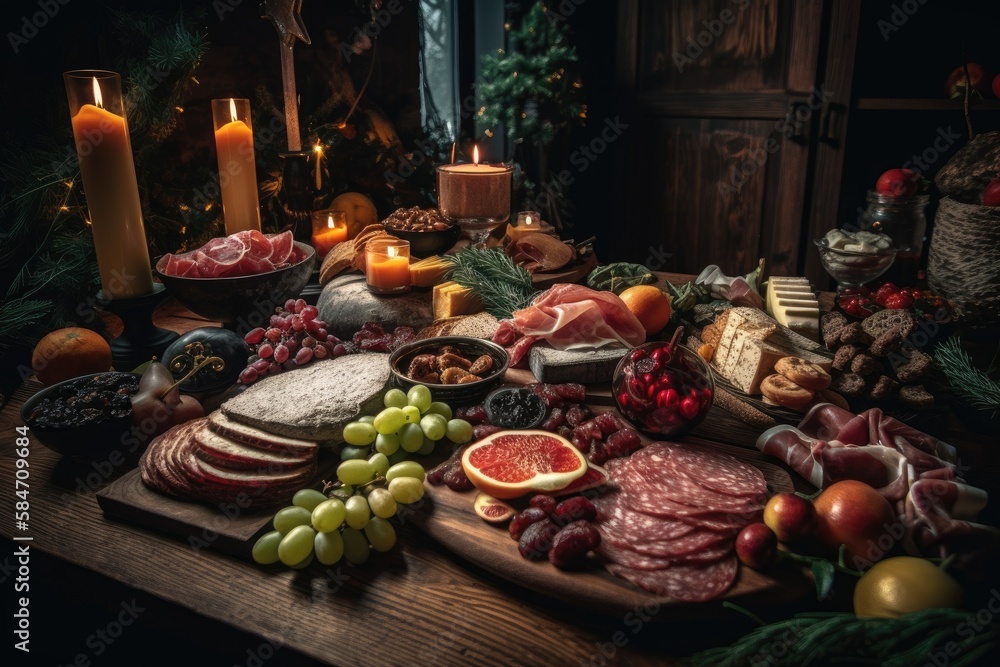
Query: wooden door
[[724, 105]]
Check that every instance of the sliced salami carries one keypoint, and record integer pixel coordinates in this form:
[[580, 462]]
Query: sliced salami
[[679, 483], [630, 526], [716, 471], [695, 582]]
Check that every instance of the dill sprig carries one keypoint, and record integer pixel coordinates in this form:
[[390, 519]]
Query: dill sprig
[[976, 387], [502, 285]]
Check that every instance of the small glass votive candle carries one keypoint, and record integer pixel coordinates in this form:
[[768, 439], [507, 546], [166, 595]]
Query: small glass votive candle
[[387, 266], [329, 228], [528, 222]]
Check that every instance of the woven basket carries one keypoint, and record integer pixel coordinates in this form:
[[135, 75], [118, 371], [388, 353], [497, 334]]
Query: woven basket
[[963, 263]]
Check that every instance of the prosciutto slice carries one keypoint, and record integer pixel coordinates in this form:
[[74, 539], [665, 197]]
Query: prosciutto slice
[[571, 317], [914, 471], [244, 253]]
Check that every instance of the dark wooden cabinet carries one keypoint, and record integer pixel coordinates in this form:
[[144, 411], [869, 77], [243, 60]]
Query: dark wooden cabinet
[[733, 114], [757, 126]]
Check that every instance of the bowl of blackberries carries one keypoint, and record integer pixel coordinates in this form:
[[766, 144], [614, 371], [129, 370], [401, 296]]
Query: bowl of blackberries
[[83, 417], [427, 231]]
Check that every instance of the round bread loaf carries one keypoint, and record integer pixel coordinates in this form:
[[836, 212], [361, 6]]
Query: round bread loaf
[[314, 402]]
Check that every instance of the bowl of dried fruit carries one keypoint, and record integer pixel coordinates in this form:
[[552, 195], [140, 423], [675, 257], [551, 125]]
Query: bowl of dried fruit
[[459, 370], [427, 231], [86, 417]]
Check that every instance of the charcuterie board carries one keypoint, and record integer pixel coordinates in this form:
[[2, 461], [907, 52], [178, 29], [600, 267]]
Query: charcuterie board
[[573, 272], [448, 517], [229, 529]]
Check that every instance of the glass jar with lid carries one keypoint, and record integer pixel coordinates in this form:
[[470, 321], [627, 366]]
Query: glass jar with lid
[[904, 220]]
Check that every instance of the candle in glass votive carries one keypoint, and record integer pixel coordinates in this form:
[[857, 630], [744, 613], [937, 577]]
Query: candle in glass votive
[[528, 222], [237, 169], [387, 265], [328, 229], [102, 143], [474, 191]]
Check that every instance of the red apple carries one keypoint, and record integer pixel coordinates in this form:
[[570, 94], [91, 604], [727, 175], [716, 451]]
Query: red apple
[[856, 515], [756, 545], [991, 194], [954, 86], [996, 86], [898, 183], [791, 517]]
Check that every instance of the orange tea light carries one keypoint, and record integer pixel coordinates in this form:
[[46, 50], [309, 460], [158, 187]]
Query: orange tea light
[[387, 266], [328, 229]]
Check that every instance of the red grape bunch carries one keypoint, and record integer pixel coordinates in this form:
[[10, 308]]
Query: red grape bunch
[[294, 338]]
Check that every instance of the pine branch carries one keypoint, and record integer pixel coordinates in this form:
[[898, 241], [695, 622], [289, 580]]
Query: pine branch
[[976, 387]]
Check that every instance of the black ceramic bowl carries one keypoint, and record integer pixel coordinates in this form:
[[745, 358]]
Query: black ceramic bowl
[[452, 394], [428, 244], [236, 298], [82, 443], [515, 407]]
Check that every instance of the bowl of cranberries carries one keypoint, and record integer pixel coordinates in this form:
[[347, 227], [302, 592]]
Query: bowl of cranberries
[[663, 388]]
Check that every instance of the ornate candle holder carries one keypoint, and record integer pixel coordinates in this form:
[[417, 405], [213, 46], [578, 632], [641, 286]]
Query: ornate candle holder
[[296, 195], [140, 340]]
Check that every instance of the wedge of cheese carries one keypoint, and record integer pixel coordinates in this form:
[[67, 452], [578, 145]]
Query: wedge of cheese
[[450, 299], [429, 272], [791, 302], [751, 343]]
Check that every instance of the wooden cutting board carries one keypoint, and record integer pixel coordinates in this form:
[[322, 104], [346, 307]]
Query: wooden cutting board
[[574, 272], [228, 528], [449, 518]]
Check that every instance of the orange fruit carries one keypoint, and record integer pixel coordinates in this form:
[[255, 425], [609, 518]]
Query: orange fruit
[[650, 305], [359, 209], [510, 464], [69, 353]]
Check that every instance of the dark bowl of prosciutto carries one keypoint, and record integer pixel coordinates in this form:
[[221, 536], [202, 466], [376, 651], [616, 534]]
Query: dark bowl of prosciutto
[[229, 279], [459, 370]]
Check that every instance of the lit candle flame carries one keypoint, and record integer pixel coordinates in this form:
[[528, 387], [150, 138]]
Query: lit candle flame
[[329, 221], [475, 155], [392, 251], [527, 221], [232, 109], [318, 149], [98, 99]]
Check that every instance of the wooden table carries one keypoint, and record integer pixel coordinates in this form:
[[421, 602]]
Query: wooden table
[[417, 605]]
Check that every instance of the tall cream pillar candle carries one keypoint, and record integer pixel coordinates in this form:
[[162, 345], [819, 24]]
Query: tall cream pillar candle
[[237, 169], [109, 183]]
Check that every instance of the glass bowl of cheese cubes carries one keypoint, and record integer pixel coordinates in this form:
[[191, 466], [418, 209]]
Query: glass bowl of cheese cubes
[[855, 258]]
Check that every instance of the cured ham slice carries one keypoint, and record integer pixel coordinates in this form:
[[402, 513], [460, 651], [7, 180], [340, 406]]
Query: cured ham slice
[[245, 253], [571, 317], [914, 471], [541, 252]]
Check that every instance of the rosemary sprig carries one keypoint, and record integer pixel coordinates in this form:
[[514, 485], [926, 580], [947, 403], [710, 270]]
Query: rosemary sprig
[[502, 285], [973, 385]]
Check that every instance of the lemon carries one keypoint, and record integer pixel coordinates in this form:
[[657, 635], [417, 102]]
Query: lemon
[[897, 586]]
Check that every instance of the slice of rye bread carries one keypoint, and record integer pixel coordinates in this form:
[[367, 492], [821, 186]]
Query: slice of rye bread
[[481, 325], [314, 402], [254, 437], [225, 453]]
